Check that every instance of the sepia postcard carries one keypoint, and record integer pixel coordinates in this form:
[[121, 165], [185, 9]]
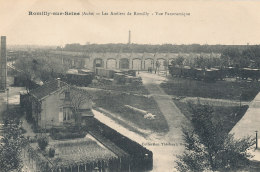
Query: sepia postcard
[[127, 85]]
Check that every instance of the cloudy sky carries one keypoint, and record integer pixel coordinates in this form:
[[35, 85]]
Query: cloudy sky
[[210, 22]]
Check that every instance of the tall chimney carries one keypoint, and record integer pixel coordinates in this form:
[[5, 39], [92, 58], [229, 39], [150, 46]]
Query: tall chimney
[[58, 82], [3, 67], [129, 37]]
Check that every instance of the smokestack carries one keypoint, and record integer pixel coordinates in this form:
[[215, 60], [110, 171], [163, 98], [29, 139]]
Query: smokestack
[[58, 81], [3, 68], [129, 37]]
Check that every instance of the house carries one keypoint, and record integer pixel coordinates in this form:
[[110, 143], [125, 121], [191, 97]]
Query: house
[[56, 103]]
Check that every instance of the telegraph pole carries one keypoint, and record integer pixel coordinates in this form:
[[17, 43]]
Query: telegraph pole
[[7, 100], [256, 139]]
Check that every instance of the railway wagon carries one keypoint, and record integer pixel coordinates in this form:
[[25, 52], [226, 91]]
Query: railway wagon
[[108, 73], [79, 79], [128, 72], [196, 73], [246, 73], [199, 73], [189, 72], [186, 71], [212, 74], [230, 72], [175, 71]]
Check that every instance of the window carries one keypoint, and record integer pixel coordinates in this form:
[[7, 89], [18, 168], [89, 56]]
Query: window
[[67, 95], [66, 113]]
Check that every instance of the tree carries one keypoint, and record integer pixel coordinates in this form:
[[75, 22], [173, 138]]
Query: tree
[[178, 61], [11, 147], [208, 147], [78, 98], [40, 67], [51, 152], [253, 54], [42, 142], [157, 66]]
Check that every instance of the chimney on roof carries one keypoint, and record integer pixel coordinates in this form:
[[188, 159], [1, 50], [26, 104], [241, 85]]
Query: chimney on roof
[[129, 37], [58, 81]]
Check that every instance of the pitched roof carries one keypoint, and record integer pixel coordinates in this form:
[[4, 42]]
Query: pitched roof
[[47, 88]]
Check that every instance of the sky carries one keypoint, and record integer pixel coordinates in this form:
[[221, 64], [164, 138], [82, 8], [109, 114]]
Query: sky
[[209, 22]]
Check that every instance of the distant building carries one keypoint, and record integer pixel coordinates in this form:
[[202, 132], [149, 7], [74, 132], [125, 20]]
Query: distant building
[[53, 104]]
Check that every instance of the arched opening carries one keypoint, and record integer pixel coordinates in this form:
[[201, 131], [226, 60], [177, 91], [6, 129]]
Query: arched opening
[[137, 64], [124, 63], [148, 63], [161, 62], [111, 63], [98, 63]]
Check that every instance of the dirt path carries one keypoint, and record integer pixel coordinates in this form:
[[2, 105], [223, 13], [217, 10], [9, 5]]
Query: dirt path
[[214, 102], [165, 154], [163, 150], [249, 124], [166, 146]]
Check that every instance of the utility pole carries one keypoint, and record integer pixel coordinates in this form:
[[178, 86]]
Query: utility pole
[[256, 139], [7, 100]]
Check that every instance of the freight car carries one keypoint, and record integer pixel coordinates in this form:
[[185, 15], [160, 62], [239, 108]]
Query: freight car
[[109, 73], [246, 73], [79, 79], [214, 74]]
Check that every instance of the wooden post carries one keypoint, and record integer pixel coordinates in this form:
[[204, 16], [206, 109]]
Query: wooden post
[[120, 163], [256, 139]]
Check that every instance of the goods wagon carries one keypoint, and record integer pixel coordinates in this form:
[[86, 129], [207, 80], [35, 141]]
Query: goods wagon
[[108, 73], [78, 79], [214, 74], [196, 73], [175, 71], [246, 73], [128, 72]]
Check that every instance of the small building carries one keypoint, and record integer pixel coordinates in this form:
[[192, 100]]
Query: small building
[[56, 103]]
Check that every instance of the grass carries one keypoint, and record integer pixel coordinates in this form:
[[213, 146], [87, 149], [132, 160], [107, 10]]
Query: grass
[[87, 150], [114, 102], [218, 90], [228, 116], [78, 151], [129, 88], [126, 124]]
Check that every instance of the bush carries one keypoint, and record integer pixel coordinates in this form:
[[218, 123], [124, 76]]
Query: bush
[[68, 135], [51, 152], [42, 142]]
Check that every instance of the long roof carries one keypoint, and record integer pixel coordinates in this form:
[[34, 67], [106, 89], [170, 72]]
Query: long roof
[[47, 88]]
